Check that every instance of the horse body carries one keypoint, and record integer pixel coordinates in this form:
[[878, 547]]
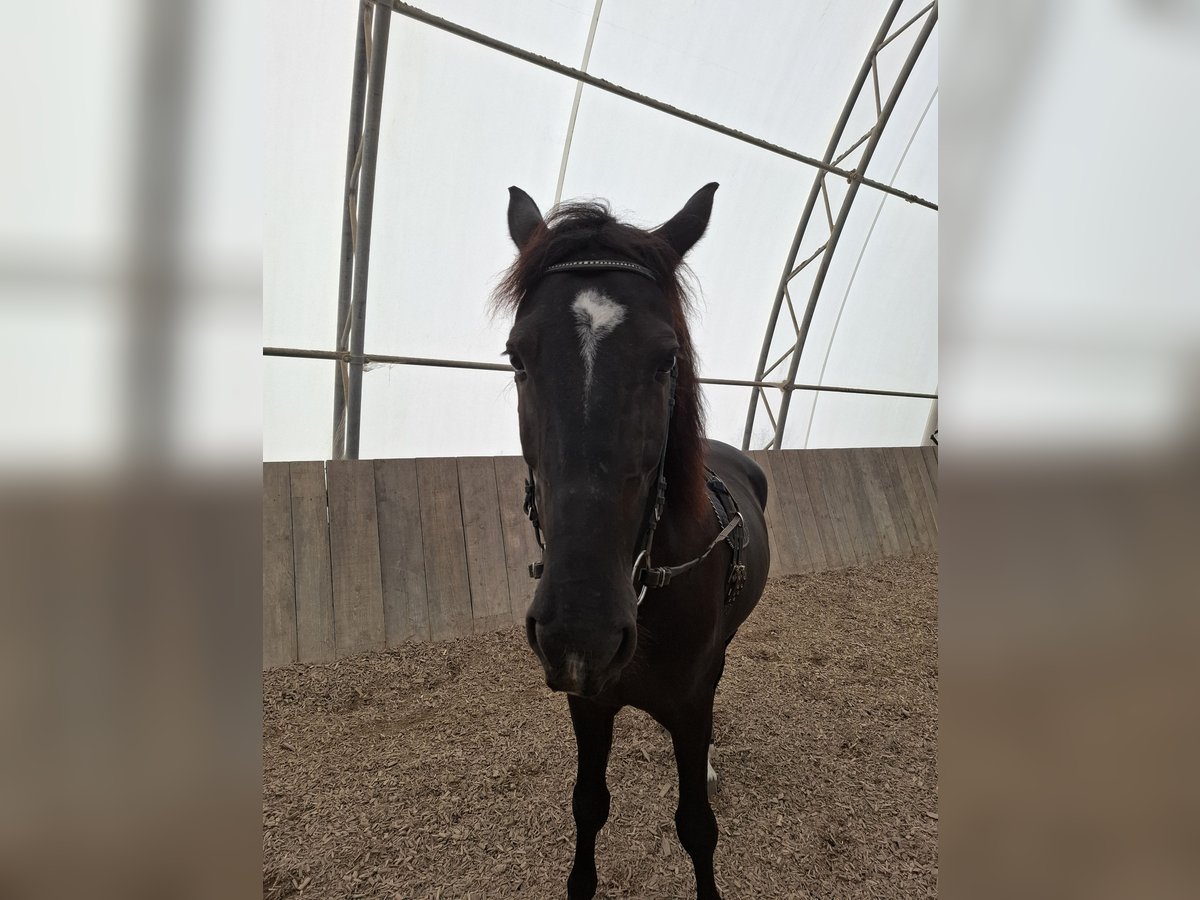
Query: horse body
[[609, 413]]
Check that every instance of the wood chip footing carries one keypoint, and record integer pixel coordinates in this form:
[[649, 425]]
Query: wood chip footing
[[444, 770]]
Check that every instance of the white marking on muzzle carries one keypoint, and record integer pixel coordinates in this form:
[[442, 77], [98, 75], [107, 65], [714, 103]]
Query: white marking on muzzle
[[595, 317], [573, 669]]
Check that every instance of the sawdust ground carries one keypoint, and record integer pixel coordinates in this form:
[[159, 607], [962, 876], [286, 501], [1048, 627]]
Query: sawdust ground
[[445, 770]]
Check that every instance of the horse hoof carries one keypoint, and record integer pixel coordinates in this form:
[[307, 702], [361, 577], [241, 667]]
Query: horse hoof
[[581, 887]]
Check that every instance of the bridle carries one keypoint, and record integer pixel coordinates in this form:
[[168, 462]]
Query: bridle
[[643, 574]]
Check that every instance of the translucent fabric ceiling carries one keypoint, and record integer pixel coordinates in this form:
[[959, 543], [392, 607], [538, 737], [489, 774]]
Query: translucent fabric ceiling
[[461, 123]]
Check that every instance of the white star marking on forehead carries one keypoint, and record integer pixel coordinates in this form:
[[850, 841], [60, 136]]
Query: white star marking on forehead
[[595, 317]]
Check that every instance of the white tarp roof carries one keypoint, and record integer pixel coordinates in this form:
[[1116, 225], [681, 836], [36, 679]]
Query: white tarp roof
[[462, 122]]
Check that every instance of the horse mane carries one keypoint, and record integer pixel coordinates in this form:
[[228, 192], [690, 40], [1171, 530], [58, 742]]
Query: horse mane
[[590, 229]]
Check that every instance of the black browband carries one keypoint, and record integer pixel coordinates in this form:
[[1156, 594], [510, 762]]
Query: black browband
[[585, 264], [643, 574]]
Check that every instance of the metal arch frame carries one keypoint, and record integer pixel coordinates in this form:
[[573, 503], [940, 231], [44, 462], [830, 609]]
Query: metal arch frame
[[370, 67], [884, 110], [365, 113]]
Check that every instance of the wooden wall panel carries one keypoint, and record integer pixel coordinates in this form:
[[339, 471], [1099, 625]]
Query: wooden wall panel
[[921, 475], [879, 461], [448, 584], [279, 587], [859, 517], [401, 551], [772, 511], [520, 545], [863, 465], [354, 551], [314, 573], [359, 555], [788, 552], [914, 495], [804, 511], [484, 538], [827, 502], [929, 453]]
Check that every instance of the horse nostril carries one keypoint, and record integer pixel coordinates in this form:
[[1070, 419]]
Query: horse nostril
[[531, 633], [628, 646]]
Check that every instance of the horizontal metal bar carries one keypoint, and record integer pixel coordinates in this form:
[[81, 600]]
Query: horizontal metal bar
[[383, 359], [367, 359], [492, 43]]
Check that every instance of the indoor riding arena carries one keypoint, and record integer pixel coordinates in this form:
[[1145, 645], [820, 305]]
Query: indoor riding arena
[[512, 198], [399, 766]]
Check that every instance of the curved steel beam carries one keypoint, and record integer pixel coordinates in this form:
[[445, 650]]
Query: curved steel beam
[[365, 209], [828, 248], [838, 130], [843, 214], [358, 99]]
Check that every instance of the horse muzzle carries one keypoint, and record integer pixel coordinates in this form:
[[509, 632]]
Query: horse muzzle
[[581, 662]]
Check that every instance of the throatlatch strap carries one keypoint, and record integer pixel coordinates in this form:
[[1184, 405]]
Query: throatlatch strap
[[661, 576]]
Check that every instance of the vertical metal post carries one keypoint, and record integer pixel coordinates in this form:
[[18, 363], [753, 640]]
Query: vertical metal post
[[376, 67], [358, 95]]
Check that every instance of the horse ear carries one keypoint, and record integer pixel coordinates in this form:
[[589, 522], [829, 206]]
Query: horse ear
[[524, 217], [687, 226]]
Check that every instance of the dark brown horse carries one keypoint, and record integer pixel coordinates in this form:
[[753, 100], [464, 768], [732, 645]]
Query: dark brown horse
[[655, 544]]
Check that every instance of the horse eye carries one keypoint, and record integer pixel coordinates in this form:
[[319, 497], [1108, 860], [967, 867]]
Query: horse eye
[[518, 366], [666, 364]]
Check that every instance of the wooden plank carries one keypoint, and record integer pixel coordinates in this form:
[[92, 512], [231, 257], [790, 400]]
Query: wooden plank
[[929, 452], [838, 550], [916, 464], [913, 494], [279, 585], [857, 488], [805, 513], [354, 551], [901, 516], [447, 581], [841, 504], [314, 574], [787, 556], [520, 546], [484, 539], [843, 480], [797, 510], [862, 463], [401, 552], [771, 513]]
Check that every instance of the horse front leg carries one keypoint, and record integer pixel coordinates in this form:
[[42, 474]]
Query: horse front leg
[[694, 819], [593, 736]]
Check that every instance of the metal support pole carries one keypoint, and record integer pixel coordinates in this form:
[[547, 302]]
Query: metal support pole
[[358, 95], [839, 225], [377, 65], [836, 139]]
